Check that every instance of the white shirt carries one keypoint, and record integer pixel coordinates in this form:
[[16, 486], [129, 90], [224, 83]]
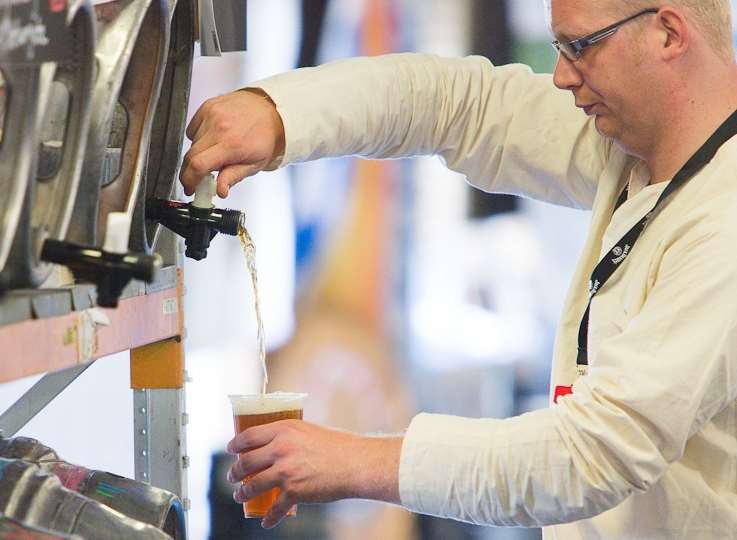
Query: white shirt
[[646, 446]]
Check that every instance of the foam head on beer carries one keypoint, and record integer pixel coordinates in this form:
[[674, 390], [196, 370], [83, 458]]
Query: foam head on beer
[[273, 402]]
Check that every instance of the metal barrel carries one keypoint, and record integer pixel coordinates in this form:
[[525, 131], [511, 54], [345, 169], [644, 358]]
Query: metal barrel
[[131, 47], [167, 131], [37, 497], [137, 500], [20, 96], [62, 102], [26, 448], [11, 529]]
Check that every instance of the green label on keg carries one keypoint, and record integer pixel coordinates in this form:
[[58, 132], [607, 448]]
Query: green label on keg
[[108, 490]]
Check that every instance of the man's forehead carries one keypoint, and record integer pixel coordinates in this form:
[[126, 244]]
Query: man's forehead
[[573, 17]]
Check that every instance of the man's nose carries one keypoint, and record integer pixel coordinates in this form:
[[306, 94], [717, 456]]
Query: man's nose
[[566, 76]]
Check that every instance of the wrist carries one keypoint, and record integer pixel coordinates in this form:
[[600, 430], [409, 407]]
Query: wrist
[[374, 470], [278, 124]]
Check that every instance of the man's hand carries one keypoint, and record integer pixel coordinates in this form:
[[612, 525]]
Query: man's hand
[[237, 134], [313, 464]]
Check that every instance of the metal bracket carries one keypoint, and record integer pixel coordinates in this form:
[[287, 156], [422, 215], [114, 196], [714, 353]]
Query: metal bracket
[[36, 398], [159, 439]]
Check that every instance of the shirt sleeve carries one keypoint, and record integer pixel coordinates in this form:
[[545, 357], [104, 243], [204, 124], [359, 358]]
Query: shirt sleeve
[[648, 391], [505, 128]]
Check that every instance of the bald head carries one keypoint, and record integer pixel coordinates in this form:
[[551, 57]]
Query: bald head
[[712, 18]]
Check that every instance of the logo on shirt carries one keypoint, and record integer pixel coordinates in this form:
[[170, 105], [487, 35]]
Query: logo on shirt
[[620, 254]]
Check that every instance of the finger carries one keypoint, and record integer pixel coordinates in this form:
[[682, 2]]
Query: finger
[[202, 141], [231, 175], [278, 511], [197, 120], [250, 463], [186, 171], [251, 438], [257, 485], [205, 133], [197, 165]]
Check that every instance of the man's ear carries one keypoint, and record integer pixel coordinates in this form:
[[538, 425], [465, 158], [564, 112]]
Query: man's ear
[[674, 32]]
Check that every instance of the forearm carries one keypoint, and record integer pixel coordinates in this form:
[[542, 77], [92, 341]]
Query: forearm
[[373, 472], [379, 107], [478, 117]]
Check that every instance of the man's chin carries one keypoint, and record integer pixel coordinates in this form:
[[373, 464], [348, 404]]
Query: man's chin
[[604, 126]]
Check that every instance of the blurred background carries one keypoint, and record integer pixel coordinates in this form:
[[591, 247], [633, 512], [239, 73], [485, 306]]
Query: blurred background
[[387, 287]]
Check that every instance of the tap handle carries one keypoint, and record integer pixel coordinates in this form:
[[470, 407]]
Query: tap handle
[[110, 272], [205, 192], [117, 233]]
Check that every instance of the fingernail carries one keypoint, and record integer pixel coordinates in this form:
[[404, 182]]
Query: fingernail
[[231, 478]]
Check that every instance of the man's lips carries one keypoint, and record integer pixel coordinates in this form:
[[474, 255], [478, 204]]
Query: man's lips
[[588, 109]]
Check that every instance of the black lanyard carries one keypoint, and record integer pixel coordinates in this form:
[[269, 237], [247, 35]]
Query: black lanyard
[[622, 249]]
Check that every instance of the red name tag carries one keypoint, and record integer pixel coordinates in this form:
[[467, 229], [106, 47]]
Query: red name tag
[[561, 391], [57, 5]]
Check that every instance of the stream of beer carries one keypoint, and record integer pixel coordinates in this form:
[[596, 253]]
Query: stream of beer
[[249, 250]]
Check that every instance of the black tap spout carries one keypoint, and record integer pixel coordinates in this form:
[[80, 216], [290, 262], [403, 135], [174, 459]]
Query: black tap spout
[[198, 226], [110, 272]]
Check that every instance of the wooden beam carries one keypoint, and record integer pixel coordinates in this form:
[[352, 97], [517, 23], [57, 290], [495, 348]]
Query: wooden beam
[[41, 345]]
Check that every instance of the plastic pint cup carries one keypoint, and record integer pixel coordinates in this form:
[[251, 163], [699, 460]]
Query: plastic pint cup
[[254, 410]]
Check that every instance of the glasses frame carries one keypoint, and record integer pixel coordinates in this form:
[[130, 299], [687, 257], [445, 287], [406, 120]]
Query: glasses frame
[[572, 50]]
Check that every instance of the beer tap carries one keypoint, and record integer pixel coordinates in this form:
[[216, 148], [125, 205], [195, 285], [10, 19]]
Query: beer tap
[[197, 221], [110, 268]]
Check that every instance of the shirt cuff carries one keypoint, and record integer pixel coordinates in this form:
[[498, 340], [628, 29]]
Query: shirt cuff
[[282, 94]]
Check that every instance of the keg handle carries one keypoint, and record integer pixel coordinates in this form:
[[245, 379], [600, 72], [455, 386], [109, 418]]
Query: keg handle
[[110, 268], [197, 221]]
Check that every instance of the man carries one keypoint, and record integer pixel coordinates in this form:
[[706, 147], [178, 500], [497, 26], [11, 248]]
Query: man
[[641, 440]]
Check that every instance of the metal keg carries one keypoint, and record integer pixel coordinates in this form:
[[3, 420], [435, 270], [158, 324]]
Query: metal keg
[[137, 500], [132, 43], [63, 107], [35, 496], [167, 133], [11, 529], [26, 448], [20, 95]]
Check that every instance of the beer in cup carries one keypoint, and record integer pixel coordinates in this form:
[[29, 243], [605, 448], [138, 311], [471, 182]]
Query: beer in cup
[[257, 409]]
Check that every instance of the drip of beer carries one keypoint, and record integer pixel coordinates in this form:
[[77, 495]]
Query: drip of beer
[[249, 250]]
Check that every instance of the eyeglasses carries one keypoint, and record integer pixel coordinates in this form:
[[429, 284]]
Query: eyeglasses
[[572, 50]]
